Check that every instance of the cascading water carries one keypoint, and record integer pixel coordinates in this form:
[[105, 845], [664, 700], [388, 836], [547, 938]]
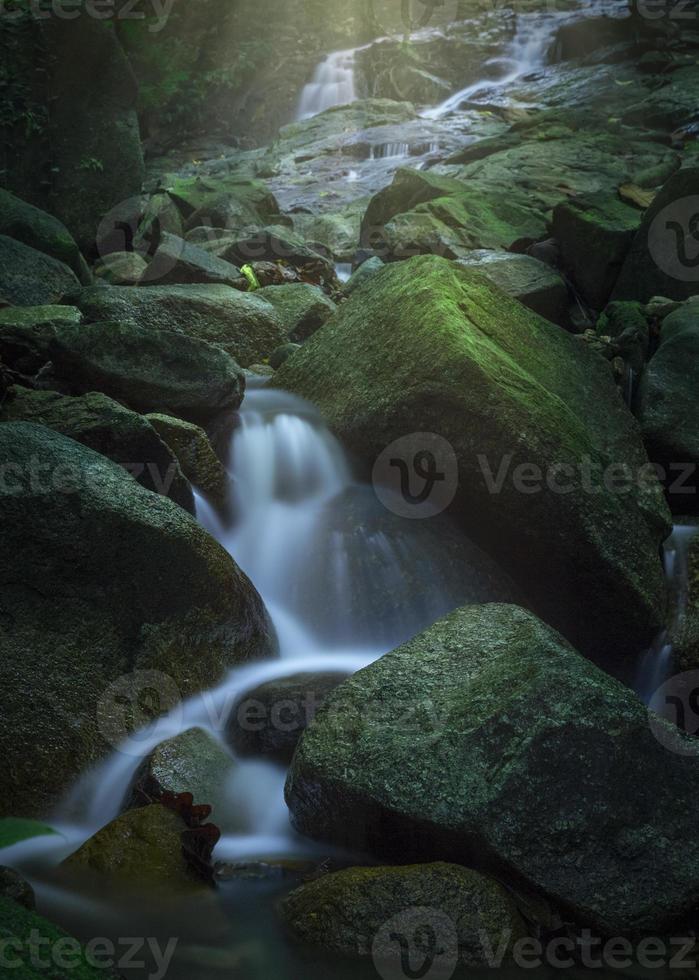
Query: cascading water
[[657, 663], [336, 571], [332, 85]]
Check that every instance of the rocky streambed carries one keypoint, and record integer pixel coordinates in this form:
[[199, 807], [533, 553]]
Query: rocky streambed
[[254, 709]]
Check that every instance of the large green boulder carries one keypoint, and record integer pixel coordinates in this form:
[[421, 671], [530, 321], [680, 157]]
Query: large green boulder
[[195, 454], [594, 235], [366, 911], [552, 478], [221, 200], [178, 261], [107, 591], [107, 427], [25, 332], [668, 408], [24, 934], [32, 278], [140, 847], [662, 260], [425, 212], [246, 327], [303, 308], [149, 370], [489, 741], [41, 231]]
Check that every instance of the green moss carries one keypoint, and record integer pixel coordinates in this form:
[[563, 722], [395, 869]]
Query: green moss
[[13, 830]]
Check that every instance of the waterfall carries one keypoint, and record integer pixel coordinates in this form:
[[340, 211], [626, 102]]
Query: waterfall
[[657, 663], [337, 573], [332, 84]]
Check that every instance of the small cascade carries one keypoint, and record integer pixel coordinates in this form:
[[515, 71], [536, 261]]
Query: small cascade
[[389, 151], [332, 85], [657, 663]]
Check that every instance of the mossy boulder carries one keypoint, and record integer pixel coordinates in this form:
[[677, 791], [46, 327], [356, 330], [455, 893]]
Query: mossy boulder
[[108, 581], [121, 269], [662, 257], [529, 280], [246, 327], [195, 454], [149, 370], [426, 346], [365, 271], [627, 325], [178, 261], [25, 333], [107, 427], [41, 231], [141, 847], [489, 741], [270, 719], [14, 886], [193, 762], [213, 199], [303, 308], [23, 928], [668, 408], [594, 235], [32, 278], [358, 911], [422, 212]]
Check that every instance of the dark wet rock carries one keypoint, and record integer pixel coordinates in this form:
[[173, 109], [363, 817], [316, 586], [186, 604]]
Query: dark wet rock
[[41, 231], [14, 887], [121, 269], [627, 326], [177, 261], [147, 369], [195, 454], [668, 408], [406, 757], [192, 762], [358, 911], [221, 200], [107, 427], [32, 278], [663, 256], [107, 581], [594, 235], [303, 308], [425, 346], [269, 720], [685, 635], [25, 333], [246, 327], [532, 282]]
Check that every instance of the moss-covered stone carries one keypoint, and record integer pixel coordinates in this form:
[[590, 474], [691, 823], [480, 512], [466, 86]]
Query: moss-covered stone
[[178, 261], [425, 346], [193, 762], [41, 231], [350, 913], [149, 370], [107, 427], [32, 278], [107, 579], [25, 333], [365, 271], [23, 928], [195, 454], [141, 847], [303, 308], [205, 195], [489, 741], [244, 326], [121, 268], [594, 235]]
